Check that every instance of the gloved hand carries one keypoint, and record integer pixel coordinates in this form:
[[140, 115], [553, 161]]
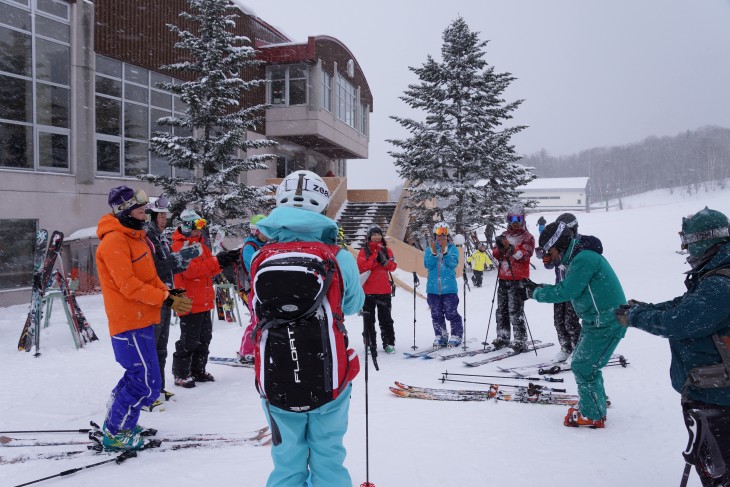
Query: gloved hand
[[178, 291], [180, 303], [529, 287], [622, 314], [634, 302], [382, 257], [190, 252]]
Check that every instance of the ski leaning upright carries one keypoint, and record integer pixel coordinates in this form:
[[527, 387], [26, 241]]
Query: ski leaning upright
[[82, 328], [30, 336]]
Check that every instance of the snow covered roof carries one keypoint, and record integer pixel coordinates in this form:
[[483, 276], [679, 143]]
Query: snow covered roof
[[82, 234], [555, 183]]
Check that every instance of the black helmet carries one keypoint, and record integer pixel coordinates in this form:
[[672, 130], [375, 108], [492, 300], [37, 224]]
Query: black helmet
[[374, 229], [556, 234], [570, 221]]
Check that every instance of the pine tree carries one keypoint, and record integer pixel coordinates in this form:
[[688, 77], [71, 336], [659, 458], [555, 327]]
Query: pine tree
[[215, 59], [459, 154]]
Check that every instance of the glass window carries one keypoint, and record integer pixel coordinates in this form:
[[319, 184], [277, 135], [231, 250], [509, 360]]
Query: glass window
[[52, 105], [135, 121], [160, 99], [53, 7], [17, 239], [110, 67], [160, 166], [278, 92], [52, 62], [136, 155], [135, 93], [53, 150], [136, 74], [364, 119], [297, 92], [178, 104], [15, 52], [326, 91], [346, 100], [108, 86], [52, 28], [108, 116], [108, 156], [14, 17], [288, 85], [16, 146], [156, 78], [156, 115], [16, 99]]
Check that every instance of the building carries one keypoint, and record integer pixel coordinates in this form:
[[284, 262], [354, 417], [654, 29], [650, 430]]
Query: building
[[79, 102], [557, 194]]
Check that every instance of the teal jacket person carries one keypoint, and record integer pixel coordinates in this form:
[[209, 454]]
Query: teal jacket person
[[595, 292]]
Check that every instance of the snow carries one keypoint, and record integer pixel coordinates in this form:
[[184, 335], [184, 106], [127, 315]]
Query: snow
[[412, 442]]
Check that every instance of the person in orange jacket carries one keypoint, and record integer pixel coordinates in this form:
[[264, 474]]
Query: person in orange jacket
[[378, 259], [133, 296], [196, 328]]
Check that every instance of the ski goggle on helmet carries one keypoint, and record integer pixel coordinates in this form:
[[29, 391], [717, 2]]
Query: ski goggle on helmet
[[515, 218], [441, 229], [159, 205], [139, 198]]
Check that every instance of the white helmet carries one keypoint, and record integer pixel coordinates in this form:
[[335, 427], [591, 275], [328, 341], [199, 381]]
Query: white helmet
[[444, 228], [305, 190]]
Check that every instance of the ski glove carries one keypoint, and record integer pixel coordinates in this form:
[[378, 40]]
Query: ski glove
[[382, 257], [190, 252], [529, 287], [179, 303], [229, 257], [622, 314]]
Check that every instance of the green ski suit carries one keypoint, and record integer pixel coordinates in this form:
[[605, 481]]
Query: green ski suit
[[592, 287]]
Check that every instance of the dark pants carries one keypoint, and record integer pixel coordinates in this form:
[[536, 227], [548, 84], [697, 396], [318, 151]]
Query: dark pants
[[445, 307], [510, 309], [709, 443], [477, 278], [191, 350], [382, 303], [162, 335], [567, 325]]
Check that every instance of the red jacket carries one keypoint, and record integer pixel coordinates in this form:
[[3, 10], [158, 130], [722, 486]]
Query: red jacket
[[197, 279], [516, 266], [133, 294], [378, 282]]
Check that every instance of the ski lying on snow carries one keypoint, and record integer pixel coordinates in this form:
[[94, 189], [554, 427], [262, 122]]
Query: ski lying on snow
[[523, 370], [506, 354], [515, 394], [230, 361], [471, 353], [444, 351]]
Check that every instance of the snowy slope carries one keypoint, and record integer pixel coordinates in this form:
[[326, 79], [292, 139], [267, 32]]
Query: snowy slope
[[412, 442]]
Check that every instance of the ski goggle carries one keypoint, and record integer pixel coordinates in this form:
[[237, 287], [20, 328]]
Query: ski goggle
[[442, 231], [139, 198], [515, 218], [197, 224], [161, 203], [706, 235]]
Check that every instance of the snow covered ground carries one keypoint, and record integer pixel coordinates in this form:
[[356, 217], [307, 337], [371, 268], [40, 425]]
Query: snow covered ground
[[412, 442]]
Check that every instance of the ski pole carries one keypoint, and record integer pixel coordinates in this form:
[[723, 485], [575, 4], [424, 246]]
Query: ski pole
[[416, 283], [489, 321], [118, 459], [84, 430], [527, 325], [529, 387], [466, 285], [546, 379], [367, 426], [556, 369]]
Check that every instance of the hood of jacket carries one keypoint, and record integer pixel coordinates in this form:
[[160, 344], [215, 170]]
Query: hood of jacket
[[580, 243], [109, 223], [286, 224]]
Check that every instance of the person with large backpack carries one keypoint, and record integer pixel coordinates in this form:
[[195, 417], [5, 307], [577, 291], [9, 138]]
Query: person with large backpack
[[697, 325], [303, 284], [251, 245]]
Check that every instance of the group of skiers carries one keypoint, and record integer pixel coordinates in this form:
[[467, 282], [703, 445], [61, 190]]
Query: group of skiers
[[143, 278]]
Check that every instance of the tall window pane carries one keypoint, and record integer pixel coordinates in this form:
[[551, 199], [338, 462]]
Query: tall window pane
[[17, 238], [135, 158], [135, 121], [108, 155], [326, 91], [16, 99], [52, 62], [52, 105], [297, 92], [15, 52], [53, 150], [160, 166], [16, 146], [108, 116]]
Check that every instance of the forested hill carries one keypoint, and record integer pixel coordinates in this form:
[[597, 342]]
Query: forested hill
[[689, 160]]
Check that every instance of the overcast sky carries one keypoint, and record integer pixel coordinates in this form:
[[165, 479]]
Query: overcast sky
[[592, 72]]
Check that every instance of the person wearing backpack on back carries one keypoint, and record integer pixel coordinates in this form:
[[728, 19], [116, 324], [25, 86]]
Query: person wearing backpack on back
[[310, 437], [251, 245], [375, 257], [697, 325]]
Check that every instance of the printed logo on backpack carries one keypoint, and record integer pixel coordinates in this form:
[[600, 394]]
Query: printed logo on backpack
[[301, 357]]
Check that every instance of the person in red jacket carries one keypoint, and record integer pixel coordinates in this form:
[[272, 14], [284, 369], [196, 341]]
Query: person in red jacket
[[377, 259], [196, 328], [513, 251]]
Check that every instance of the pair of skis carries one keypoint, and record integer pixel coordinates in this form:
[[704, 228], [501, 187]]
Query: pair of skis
[[44, 258], [80, 328], [229, 361], [533, 394], [554, 367], [471, 353]]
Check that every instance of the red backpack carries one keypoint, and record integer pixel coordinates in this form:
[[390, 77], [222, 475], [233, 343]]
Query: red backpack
[[301, 357]]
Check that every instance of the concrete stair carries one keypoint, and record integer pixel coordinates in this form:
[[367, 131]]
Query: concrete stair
[[356, 218]]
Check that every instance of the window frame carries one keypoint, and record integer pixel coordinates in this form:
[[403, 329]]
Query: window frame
[[286, 98]]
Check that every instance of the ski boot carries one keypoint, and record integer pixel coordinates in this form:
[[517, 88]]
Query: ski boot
[[123, 440], [575, 419], [454, 341]]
